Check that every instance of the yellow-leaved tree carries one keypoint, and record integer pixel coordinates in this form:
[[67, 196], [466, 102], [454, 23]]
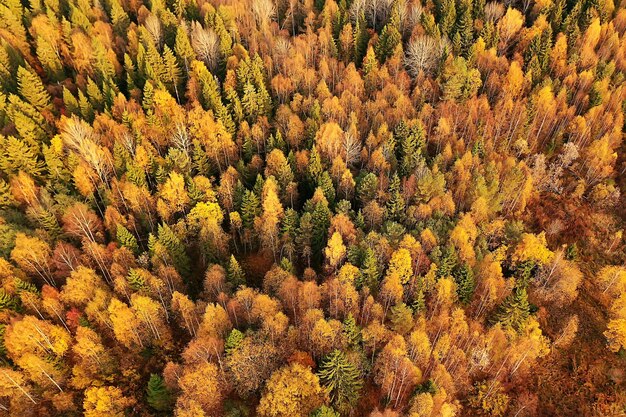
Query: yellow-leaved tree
[[292, 391]]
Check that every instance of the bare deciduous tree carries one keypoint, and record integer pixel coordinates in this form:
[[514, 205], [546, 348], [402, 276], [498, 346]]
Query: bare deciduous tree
[[422, 54], [206, 44]]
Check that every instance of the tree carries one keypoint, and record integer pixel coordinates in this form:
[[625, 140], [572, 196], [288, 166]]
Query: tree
[[341, 380], [515, 310], [33, 90], [465, 283], [127, 239], [335, 251], [324, 411], [459, 81], [292, 391], [200, 388], [369, 270], [395, 204], [157, 394], [105, 401], [422, 55], [234, 273]]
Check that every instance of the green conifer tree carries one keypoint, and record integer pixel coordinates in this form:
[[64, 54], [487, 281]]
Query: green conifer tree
[[465, 283], [395, 204], [514, 310], [235, 273], [157, 394], [351, 332], [233, 341], [341, 379], [32, 89], [127, 239]]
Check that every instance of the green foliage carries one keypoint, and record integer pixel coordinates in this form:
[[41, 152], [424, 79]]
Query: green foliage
[[514, 310], [127, 239], [233, 341], [351, 332], [341, 379], [370, 274], [465, 283], [324, 411], [157, 394], [8, 301], [234, 273], [460, 82], [32, 89], [136, 280], [395, 204]]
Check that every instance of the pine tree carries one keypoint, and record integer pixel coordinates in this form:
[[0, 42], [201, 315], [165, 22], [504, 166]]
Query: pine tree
[[70, 102], [183, 48], [464, 28], [3, 348], [341, 379], [158, 395], [367, 188], [411, 142], [171, 75], [234, 273], [18, 156], [127, 239], [8, 301], [446, 16], [514, 310], [95, 95], [49, 59], [119, 18]]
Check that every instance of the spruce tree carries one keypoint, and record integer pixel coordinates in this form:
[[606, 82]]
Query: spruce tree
[[367, 188], [326, 184], [447, 262], [314, 169], [321, 221], [135, 280], [324, 411], [157, 394], [32, 89], [175, 248], [233, 341], [514, 310], [127, 239], [370, 273], [341, 379], [465, 283], [351, 332], [250, 208], [395, 204], [234, 273]]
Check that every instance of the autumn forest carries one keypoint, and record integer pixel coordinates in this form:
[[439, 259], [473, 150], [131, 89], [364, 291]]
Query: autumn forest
[[312, 208]]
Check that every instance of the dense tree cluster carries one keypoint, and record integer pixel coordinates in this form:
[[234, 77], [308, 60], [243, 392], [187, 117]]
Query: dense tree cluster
[[292, 208]]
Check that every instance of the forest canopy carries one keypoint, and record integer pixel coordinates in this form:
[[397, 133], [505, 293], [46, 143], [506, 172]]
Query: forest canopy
[[325, 208]]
